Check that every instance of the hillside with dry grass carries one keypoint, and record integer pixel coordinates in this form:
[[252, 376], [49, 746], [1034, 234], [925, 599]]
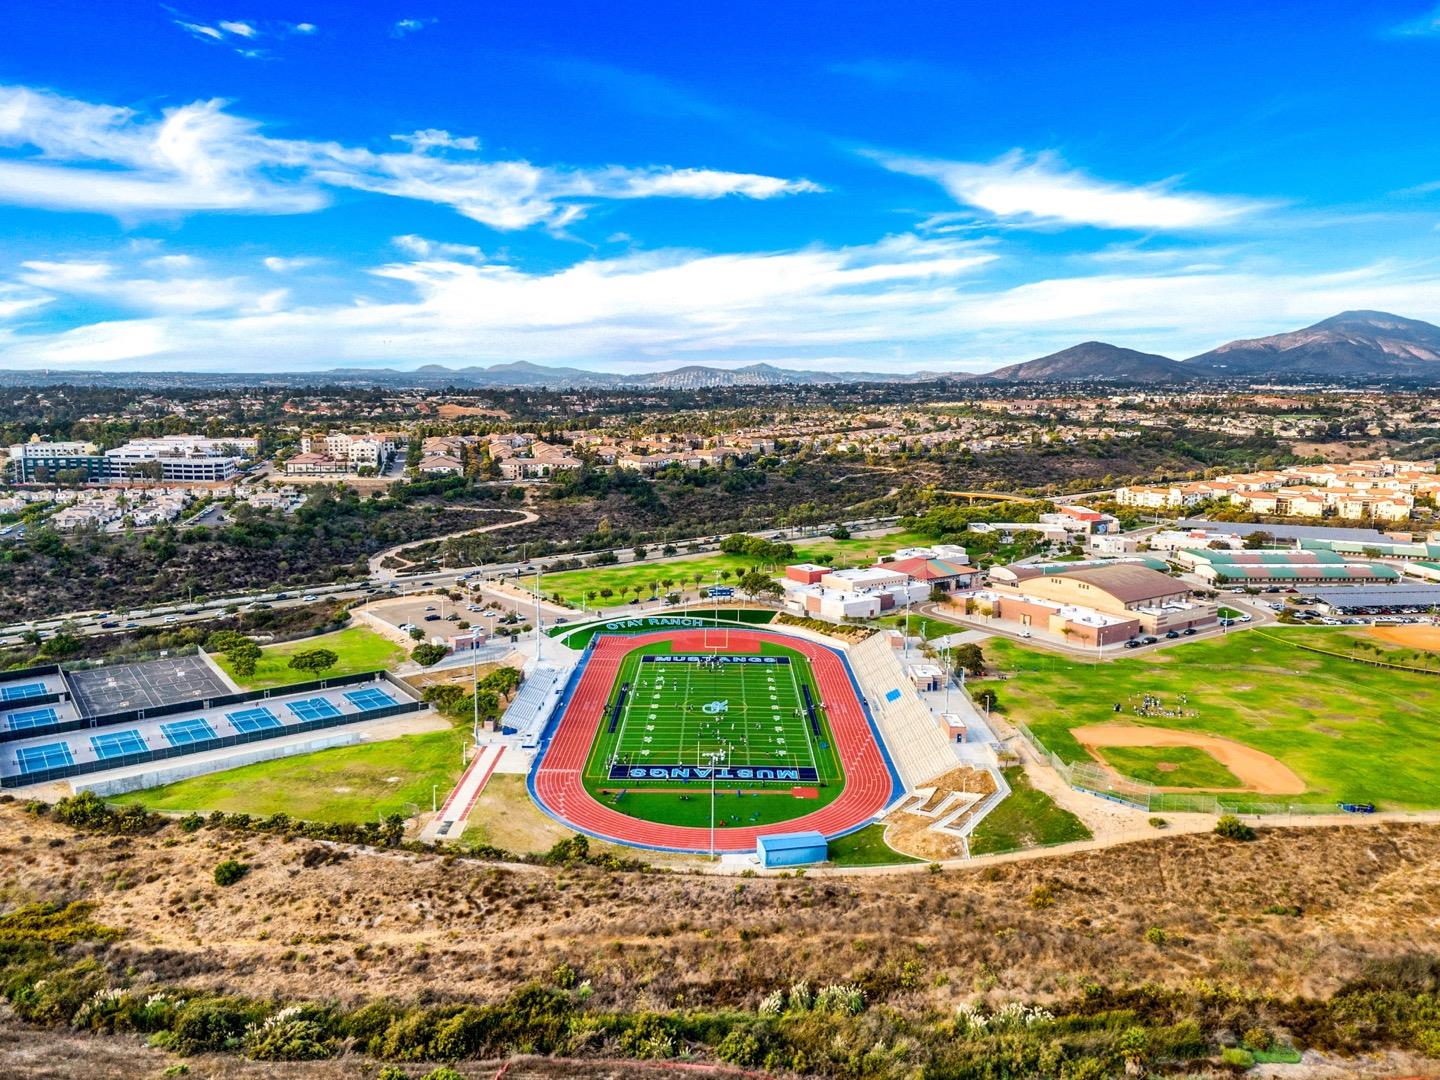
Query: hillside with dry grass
[[1303, 914]]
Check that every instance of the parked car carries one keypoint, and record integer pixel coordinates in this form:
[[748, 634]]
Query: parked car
[[1149, 639], [432, 618], [1132, 644], [1172, 635], [1189, 631]]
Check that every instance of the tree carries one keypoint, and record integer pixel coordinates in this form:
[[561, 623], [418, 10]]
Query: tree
[[969, 658], [1259, 539], [756, 584], [314, 661], [426, 654], [840, 532], [243, 658]]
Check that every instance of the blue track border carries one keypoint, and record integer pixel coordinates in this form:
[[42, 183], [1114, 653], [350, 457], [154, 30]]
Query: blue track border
[[578, 671]]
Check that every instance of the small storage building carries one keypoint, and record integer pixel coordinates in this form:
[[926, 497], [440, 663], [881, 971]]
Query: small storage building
[[792, 849]]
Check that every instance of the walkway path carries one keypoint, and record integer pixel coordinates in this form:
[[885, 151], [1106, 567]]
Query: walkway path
[[450, 822]]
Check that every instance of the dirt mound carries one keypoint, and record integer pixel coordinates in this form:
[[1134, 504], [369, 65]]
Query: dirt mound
[[1412, 637]]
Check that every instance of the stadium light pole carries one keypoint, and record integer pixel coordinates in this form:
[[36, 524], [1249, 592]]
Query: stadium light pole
[[715, 756]]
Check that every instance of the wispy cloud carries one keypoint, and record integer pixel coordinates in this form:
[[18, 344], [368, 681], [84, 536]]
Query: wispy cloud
[[403, 27], [419, 247], [243, 35], [1420, 27], [280, 264], [75, 155], [1041, 189]]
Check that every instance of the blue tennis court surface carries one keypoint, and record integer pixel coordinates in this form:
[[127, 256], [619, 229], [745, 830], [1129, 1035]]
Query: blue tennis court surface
[[117, 744], [31, 718], [248, 720], [185, 732], [315, 708], [55, 755], [24, 690], [369, 698]]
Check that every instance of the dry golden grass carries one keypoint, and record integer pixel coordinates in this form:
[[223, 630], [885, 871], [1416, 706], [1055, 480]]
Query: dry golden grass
[[426, 927]]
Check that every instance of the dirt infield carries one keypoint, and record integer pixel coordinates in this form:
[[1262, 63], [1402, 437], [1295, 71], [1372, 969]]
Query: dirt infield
[[1257, 771], [1414, 637]]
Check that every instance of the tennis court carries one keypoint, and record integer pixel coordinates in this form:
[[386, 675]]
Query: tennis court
[[21, 691], [186, 732], [32, 759], [115, 744], [682, 710], [145, 685], [248, 720], [369, 698], [31, 718], [315, 708]]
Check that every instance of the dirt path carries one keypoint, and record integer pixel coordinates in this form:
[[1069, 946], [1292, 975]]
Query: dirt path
[[378, 570], [1256, 770]]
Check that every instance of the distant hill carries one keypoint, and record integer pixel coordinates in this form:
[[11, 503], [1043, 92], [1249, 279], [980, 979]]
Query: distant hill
[[1354, 345], [1349, 345], [1094, 360]]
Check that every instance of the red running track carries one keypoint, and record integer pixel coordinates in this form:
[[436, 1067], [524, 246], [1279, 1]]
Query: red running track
[[561, 790]]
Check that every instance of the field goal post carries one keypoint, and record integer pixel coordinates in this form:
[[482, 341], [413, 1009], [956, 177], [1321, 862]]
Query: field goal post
[[717, 638]]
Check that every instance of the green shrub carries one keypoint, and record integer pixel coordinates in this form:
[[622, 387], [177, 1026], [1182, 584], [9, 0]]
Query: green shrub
[[1156, 936], [1235, 1055], [1232, 828], [229, 872]]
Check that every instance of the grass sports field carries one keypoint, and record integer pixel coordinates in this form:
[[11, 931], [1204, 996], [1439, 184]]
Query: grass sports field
[[670, 709], [1170, 766], [358, 649], [571, 585], [1350, 731]]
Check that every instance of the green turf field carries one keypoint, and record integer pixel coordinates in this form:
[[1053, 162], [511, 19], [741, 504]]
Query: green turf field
[[348, 784], [679, 712], [571, 585], [1170, 766], [1351, 731], [358, 649], [925, 627]]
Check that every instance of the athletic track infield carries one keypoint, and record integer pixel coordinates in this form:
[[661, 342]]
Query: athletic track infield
[[557, 779]]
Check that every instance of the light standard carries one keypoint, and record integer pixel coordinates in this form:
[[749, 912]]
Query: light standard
[[716, 757]]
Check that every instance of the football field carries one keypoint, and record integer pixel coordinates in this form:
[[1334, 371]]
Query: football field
[[701, 710]]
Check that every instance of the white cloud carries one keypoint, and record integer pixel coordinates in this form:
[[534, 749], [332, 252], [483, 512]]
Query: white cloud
[[278, 264], [401, 27], [175, 293], [1042, 189], [304, 28], [434, 138], [201, 31], [198, 157], [900, 303], [1424, 26], [420, 248], [239, 29]]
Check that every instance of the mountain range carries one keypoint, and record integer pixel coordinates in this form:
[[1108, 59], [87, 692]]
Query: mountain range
[[1353, 346]]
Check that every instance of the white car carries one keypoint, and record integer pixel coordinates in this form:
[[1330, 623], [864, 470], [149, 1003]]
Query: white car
[[171, 619], [309, 598]]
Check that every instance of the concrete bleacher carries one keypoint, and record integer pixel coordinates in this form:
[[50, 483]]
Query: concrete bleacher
[[917, 745], [527, 714]]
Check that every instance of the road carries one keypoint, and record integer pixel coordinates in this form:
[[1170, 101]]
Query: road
[[383, 583]]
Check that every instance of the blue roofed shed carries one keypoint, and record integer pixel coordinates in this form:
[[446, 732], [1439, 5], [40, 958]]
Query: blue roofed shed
[[792, 849]]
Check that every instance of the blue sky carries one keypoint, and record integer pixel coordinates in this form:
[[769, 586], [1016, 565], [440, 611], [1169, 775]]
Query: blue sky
[[280, 186]]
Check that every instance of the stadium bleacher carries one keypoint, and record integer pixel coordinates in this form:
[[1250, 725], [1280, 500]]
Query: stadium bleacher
[[527, 714]]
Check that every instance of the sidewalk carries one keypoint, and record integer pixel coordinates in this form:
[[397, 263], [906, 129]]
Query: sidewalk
[[449, 823]]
